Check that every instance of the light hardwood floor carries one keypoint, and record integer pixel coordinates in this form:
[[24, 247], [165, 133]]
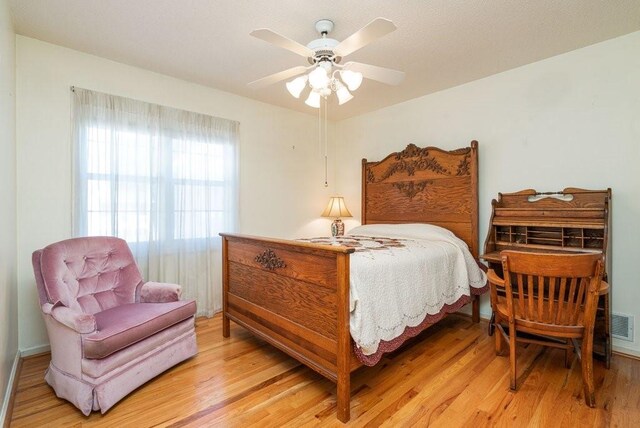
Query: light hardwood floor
[[450, 377]]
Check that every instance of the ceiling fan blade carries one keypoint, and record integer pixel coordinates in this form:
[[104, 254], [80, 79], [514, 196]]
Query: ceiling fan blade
[[373, 30], [381, 74], [277, 77], [279, 40]]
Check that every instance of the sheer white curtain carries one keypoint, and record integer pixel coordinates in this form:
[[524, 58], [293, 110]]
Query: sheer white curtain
[[163, 179]]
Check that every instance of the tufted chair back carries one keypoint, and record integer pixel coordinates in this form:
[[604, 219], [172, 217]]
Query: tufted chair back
[[88, 275]]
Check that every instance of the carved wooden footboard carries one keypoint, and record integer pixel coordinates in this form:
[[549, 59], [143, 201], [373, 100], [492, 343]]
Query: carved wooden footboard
[[295, 296]]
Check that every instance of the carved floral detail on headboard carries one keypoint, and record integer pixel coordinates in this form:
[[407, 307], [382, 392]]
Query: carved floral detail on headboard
[[463, 166], [370, 177], [411, 188], [410, 160], [412, 151]]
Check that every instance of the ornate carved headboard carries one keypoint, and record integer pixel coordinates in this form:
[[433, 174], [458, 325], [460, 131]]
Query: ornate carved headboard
[[425, 185]]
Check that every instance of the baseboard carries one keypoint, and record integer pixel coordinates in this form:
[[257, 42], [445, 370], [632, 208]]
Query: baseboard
[[12, 383], [10, 393], [466, 310], [626, 352], [483, 317], [35, 350]]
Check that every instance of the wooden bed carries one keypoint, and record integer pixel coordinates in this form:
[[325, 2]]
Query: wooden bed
[[295, 295]]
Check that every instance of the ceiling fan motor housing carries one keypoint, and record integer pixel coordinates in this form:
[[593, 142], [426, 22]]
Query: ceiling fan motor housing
[[323, 47]]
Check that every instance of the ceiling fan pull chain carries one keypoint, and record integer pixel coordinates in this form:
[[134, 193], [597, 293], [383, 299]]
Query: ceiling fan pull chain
[[320, 130], [326, 145]]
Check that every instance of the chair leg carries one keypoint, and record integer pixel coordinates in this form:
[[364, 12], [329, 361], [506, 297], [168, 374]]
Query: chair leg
[[492, 324], [512, 355], [499, 341], [568, 357], [587, 370]]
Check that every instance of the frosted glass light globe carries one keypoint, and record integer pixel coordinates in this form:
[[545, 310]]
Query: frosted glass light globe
[[343, 95], [353, 79], [313, 100], [318, 78], [296, 86]]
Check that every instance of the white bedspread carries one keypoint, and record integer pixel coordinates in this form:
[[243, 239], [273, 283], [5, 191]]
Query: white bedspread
[[400, 274]]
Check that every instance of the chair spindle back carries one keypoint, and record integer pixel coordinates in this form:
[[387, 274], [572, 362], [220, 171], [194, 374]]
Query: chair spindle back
[[552, 289]]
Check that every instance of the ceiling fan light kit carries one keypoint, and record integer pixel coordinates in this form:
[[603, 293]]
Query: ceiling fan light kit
[[324, 55]]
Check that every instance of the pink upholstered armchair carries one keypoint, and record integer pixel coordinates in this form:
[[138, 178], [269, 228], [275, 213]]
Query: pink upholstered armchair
[[110, 332]]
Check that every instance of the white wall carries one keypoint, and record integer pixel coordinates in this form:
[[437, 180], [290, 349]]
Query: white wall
[[571, 120], [8, 291], [281, 188]]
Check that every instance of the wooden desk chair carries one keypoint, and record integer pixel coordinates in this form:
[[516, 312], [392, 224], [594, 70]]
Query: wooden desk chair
[[553, 296]]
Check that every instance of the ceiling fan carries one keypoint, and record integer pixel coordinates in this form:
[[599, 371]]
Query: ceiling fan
[[325, 56]]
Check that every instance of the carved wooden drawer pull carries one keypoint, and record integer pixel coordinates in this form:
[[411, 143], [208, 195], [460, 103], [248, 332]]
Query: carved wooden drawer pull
[[269, 260]]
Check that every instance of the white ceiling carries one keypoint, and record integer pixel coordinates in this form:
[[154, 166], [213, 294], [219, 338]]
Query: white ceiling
[[438, 43]]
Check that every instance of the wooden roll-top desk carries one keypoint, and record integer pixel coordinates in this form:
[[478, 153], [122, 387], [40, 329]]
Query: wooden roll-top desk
[[574, 220]]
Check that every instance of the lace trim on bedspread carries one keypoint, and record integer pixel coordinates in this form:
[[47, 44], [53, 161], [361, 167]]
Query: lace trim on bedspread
[[385, 347]]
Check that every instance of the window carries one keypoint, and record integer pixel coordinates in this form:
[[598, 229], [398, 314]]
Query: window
[[165, 180], [119, 181], [146, 172]]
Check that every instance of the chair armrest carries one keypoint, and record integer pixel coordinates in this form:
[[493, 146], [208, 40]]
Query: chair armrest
[[493, 278], [77, 321], [495, 282], [604, 288], [159, 292]]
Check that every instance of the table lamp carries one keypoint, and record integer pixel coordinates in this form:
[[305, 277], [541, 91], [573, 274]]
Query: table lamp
[[337, 209]]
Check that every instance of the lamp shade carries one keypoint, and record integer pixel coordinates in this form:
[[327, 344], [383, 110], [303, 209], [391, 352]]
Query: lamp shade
[[336, 208]]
